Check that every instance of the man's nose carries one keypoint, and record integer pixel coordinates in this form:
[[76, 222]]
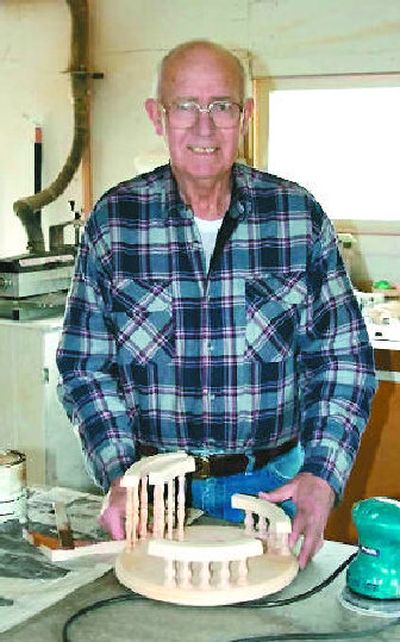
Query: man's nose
[[204, 122]]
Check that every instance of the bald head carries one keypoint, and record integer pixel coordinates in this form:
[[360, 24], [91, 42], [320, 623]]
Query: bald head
[[191, 52], [200, 81]]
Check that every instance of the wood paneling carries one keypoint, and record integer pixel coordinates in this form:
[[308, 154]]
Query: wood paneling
[[387, 360], [377, 470]]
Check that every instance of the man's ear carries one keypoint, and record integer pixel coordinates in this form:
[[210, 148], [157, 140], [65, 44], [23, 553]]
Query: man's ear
[[154, 112], [248, 110]]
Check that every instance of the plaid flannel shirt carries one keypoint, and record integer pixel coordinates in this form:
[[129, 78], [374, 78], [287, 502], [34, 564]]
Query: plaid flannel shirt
[[269, 345]]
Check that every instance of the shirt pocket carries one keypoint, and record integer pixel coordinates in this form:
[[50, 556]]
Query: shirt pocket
[[143, 320], [274, 304]]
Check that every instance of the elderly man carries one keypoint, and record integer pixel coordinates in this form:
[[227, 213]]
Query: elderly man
[[210, 312]]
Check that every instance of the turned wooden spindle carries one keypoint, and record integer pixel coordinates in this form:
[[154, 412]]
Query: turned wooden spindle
[[224, 575], [185, 576], [249, 522], [170, 573], [204, 574], [144, 504], [135, 513], [242, 570], [262, 527], [284, 545], [159, 511], [170, 508], [129, 517], [278, 543], [181, 507]]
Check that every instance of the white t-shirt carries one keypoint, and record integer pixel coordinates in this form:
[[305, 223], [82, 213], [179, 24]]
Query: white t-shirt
[[208, 232]]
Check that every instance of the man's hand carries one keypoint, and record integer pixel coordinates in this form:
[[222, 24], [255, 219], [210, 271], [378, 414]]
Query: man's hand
[[314, 499], [112, 514]]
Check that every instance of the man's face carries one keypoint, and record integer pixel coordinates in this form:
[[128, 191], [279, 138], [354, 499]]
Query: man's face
[[202, 151]]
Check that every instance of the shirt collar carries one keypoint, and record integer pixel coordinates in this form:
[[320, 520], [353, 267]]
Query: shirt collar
[[241, 201]]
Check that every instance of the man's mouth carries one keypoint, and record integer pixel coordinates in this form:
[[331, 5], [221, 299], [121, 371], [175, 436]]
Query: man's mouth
[[197, 149]]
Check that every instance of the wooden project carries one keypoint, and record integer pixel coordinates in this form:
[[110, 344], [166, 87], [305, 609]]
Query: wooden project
[[199, 565]]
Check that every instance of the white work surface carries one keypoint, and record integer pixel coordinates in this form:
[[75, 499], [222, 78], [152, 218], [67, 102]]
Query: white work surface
[[385, 345], [150, 621], [29, 583]]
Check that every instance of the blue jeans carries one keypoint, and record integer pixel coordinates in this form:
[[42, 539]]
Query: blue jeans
[[213, 495]]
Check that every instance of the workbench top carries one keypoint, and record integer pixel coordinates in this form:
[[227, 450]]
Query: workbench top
[[150, 621]]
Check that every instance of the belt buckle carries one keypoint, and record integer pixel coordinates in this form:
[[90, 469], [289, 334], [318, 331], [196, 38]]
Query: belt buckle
[[203, 469]]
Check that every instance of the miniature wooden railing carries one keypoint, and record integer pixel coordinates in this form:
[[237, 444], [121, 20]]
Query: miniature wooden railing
[[193, 564], [202, 565], [266, 521], [160, 471]]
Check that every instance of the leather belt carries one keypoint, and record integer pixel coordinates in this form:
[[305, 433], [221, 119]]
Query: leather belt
[[224, 465]]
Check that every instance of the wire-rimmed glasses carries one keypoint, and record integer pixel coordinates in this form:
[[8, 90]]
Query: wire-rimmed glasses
[[185, 114]]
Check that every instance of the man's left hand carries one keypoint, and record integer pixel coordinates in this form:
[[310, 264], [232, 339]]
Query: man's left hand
[[314, 499]]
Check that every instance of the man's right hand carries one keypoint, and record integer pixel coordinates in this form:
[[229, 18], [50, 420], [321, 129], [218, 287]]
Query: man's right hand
[[112, 514]]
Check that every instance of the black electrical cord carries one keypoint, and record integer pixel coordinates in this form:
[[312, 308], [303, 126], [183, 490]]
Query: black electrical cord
[[125, 597], [261, 603]]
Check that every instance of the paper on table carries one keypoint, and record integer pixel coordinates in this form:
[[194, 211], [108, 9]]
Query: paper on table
[[29, 583]]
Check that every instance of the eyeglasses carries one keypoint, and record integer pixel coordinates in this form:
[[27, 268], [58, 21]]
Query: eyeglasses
[[185, 114]]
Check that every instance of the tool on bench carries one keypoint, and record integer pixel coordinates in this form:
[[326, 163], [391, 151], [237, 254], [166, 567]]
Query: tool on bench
[[63, 546], [64, 537], [63, 526], [373, 577]]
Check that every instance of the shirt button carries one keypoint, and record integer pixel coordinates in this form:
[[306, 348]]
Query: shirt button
[[240, 208], [210, 346]]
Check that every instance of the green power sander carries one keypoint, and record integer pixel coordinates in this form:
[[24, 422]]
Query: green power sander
[[373, 576]]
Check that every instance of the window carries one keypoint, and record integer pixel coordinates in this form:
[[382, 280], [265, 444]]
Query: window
[[340, 142]]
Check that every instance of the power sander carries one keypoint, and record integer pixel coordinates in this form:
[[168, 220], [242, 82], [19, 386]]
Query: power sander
[[373, 576]]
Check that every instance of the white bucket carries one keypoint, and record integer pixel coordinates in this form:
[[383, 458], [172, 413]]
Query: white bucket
[[12, 486]]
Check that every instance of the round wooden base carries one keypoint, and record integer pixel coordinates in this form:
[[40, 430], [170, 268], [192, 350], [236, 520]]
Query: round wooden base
[[145, 574]]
